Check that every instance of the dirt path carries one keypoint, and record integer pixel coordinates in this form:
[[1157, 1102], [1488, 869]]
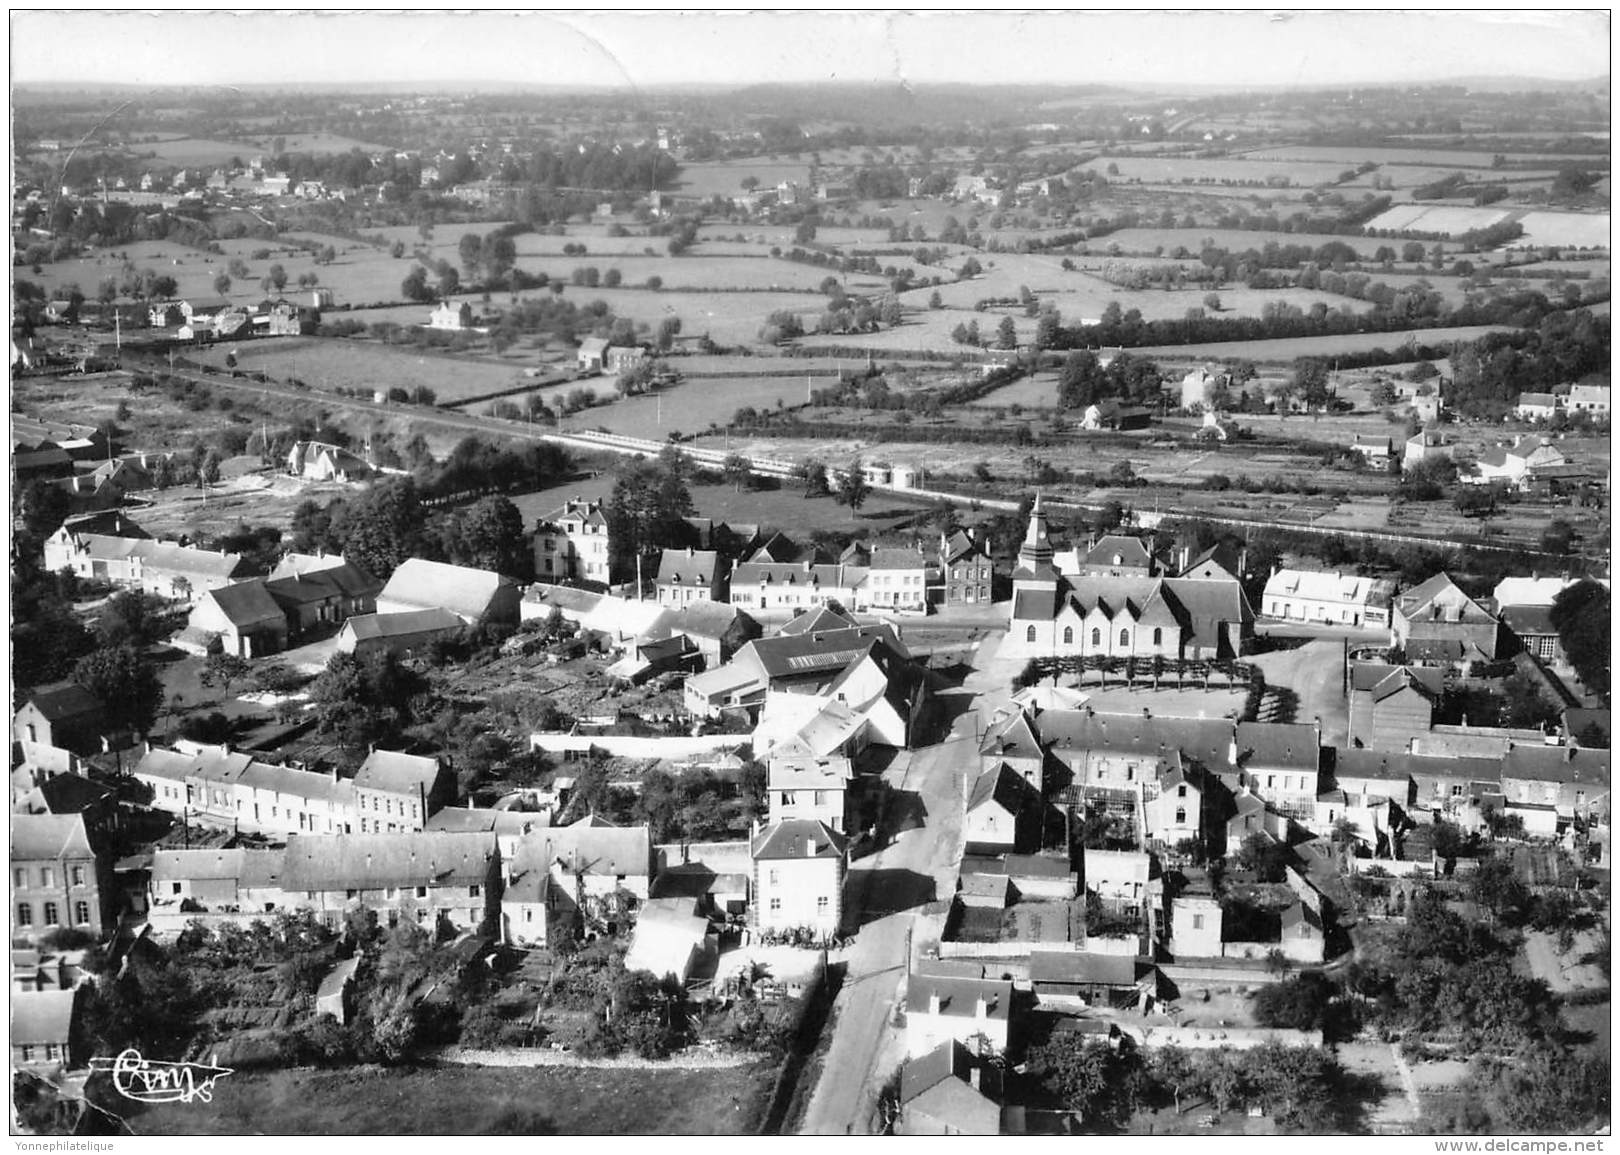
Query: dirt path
[[1408, 1083]]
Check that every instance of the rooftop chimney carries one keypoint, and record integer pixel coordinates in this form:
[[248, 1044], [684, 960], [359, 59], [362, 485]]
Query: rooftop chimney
[[933, 1002], [809, 847]]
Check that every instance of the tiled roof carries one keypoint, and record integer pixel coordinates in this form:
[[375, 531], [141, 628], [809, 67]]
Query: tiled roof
[[321, 862], [397, 773], [48, 836], [68, 701], [432, 584], [799, 838]]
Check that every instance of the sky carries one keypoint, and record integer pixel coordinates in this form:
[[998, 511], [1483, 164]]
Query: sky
[[654, 48]]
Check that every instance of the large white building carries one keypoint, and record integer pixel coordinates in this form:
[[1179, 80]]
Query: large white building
[[571, 543], [1327, 598]]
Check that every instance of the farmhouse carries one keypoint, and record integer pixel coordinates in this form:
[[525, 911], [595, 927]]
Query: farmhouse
[[897, 579], [1376, 451], [57, 880], [1518, 463], [1327, 598], [394, 791], [800, 585], [949, 1091], [1198, 386], [1424, 446], [243, 618], [1536, 406], [975, 1012], [448, 315], [592, 354], [318, 461], [448, 881]]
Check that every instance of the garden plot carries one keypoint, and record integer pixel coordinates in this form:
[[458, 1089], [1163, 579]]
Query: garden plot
[[329, 364], [1566, 230], [724, 178]]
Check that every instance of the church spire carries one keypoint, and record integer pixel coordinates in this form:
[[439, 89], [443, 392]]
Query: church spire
[[1035, 555]]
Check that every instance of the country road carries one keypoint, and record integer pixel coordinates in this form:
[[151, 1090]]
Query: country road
[[903, 887]]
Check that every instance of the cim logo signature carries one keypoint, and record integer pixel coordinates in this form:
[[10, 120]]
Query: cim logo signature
[[154, 1081]]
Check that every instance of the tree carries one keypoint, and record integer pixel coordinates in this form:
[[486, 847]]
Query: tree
[[127, 686], [814, 475], [1212, 302], [222, 669], [415, 286], [489, 535], [1300, 1003], [853, 487], [646, 511], [1264, 856], [935, 301], [277, 277], [383, 527], [1310, 381], [1007, 334], [131, 617], [208, 471], [43, 507], [1524, 705], [363, 700], [736, 469], [222, 284], [1472, 500], [1558, 537], [1580, 614]]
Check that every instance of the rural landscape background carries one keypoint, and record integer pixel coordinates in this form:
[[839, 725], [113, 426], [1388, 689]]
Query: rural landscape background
[[1171, 301]]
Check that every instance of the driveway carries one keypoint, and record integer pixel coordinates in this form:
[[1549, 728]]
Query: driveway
[[902, 889]]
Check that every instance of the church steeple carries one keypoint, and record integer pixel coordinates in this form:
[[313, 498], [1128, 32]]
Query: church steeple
[[1035, 555]]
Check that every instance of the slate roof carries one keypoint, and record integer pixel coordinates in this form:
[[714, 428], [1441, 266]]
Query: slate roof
[[247, 604], [831, 773], [67, 701], [324, 862], [717, 620], [959, 997], [36, 837], [898, 559], [1285, 746], [461, 589], [395, 772], [1530, 621], [1131, 550], [948, 1060], [688, 567], [1564, 764], [795, 837], [1324, 586], [1383, 680], [365, 627], [41, 1016], [1209, 740], [1000, 786], [823, 651], [771, 573], [249, 869], [812, 621], [341, 580], [595, 850], [1109, 970], [580, 602]]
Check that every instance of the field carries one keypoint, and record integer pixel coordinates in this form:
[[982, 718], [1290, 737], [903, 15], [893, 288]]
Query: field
[[330, 364], [786, 509], [692, 406], [1566, 230], [724, 178], [1400, 157], [480, 1100], [1431, 218], [1175, 170], [1288, 348], [1144, 240]]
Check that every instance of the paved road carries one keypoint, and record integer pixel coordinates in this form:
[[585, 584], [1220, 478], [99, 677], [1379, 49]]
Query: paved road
[[1313, 672], [905, 886]]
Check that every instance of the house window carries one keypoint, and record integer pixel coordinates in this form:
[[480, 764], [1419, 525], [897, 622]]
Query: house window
[[776, 904], [81, 913], [174, 888], [821, 904], [1068, 635], [350, 893], [421, 892], [50, 914], [472, 892], [47, 876], [1029, 634], [1124, 637], [19, 878], [1096, 637], [1181, 815], [1181, 791], [1198, 922], [25, 914], [787, 798], [776, 878], [1158, 636], [27, 1053]]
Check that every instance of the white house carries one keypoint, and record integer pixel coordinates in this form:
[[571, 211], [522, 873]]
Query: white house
[[799, 867], [1592, 400], [1536, 406]]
